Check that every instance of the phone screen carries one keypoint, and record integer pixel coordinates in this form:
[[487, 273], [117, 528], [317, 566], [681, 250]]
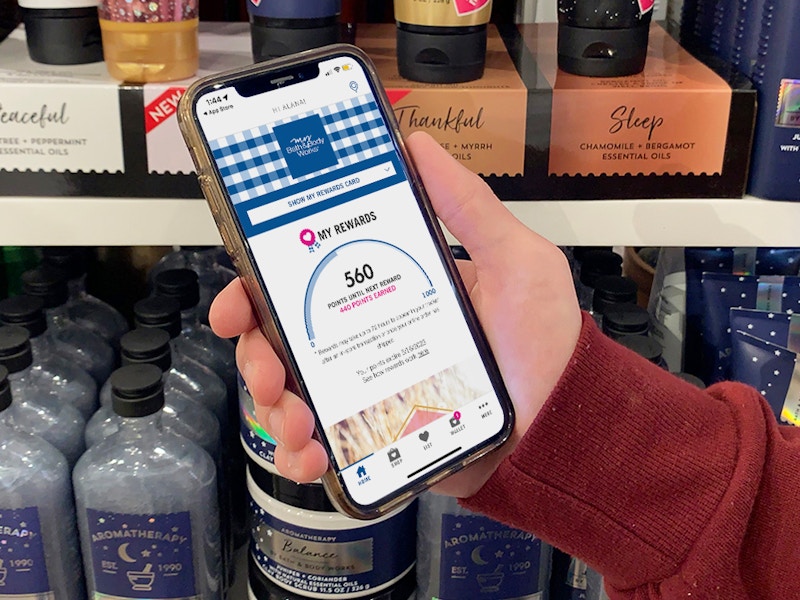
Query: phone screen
[[361, 294]]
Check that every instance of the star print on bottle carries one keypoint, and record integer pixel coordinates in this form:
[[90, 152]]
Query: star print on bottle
[[142, 556]]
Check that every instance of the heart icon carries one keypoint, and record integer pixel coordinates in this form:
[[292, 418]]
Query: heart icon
[[424, 436]]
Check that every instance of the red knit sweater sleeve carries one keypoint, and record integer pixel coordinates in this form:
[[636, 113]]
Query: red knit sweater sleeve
[[667, 490]]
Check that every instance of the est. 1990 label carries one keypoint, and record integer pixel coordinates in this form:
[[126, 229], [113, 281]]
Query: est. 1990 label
[[23, 573], [141, 556]]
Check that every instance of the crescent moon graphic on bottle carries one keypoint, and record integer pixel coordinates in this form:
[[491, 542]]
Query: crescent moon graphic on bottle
[[122, 551], [476, 556]]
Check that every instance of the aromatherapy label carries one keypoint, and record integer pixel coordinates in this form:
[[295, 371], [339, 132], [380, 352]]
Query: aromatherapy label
[[333, 561], [788, 114], [670, 119], [480, 123], [141, 556], [23, 573], [65, 120], [482, 558]]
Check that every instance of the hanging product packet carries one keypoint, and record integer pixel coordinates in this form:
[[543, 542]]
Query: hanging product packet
[[721, 293], [781, 328], [771, 369], [737, 261]]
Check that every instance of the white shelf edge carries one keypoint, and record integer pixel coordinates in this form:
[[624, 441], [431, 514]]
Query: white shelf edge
[[40, 221]]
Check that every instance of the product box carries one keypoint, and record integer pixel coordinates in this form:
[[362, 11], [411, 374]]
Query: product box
[[678, 129], [531, 131]]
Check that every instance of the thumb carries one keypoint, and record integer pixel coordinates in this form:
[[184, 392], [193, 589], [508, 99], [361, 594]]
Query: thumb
[[464, 202]]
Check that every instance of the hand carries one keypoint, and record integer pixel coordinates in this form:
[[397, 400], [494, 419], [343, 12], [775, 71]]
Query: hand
[[521, 288]]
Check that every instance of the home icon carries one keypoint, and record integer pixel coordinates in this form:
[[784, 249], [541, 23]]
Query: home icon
[[361, 471]]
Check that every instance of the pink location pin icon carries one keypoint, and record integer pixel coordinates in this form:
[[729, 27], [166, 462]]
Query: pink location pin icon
[[457, 416]]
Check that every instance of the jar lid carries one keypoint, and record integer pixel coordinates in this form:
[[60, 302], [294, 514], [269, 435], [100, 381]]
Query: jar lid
[[307, 496]]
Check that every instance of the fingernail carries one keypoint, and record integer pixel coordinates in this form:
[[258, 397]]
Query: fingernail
[[275, 419]]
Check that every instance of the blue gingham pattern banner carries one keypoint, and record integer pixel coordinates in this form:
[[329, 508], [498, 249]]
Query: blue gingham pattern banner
[[252, 164]]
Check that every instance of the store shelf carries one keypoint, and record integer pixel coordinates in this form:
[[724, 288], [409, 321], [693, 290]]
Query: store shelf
[[34, 221]]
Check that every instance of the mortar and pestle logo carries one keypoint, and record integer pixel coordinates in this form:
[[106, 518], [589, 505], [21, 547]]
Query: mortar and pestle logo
[[491, 582], [142, 581]]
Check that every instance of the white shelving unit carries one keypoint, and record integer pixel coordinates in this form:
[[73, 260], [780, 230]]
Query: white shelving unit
[[39, 221]]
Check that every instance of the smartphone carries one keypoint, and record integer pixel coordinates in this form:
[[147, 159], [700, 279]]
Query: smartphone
[[325, 218]]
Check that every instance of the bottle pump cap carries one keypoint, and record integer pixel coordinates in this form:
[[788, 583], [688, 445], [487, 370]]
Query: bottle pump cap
[[181, 284], [5, 389], [63, 36], [610, 290], [449, 55], [25, 311], [626, 319], [598, 263], [137, 390], [158, 312], [643, 346], [73, 260], [146, 346], [271, 38], [15, 348], [603, 52], [48, 283]]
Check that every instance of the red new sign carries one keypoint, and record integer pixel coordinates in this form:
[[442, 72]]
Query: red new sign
[[162, 108]]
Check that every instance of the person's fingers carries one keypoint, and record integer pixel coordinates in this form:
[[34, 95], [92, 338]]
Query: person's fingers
[[260, 367], [469, 276], [465, 203], [231, 314], [288, 420], [303, 466]]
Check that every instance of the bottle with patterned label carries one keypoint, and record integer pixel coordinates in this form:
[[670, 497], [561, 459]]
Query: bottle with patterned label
[[146, 500], [39, 552]]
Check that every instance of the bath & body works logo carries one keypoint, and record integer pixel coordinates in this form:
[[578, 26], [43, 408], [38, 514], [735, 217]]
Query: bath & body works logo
[[305, 145]]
